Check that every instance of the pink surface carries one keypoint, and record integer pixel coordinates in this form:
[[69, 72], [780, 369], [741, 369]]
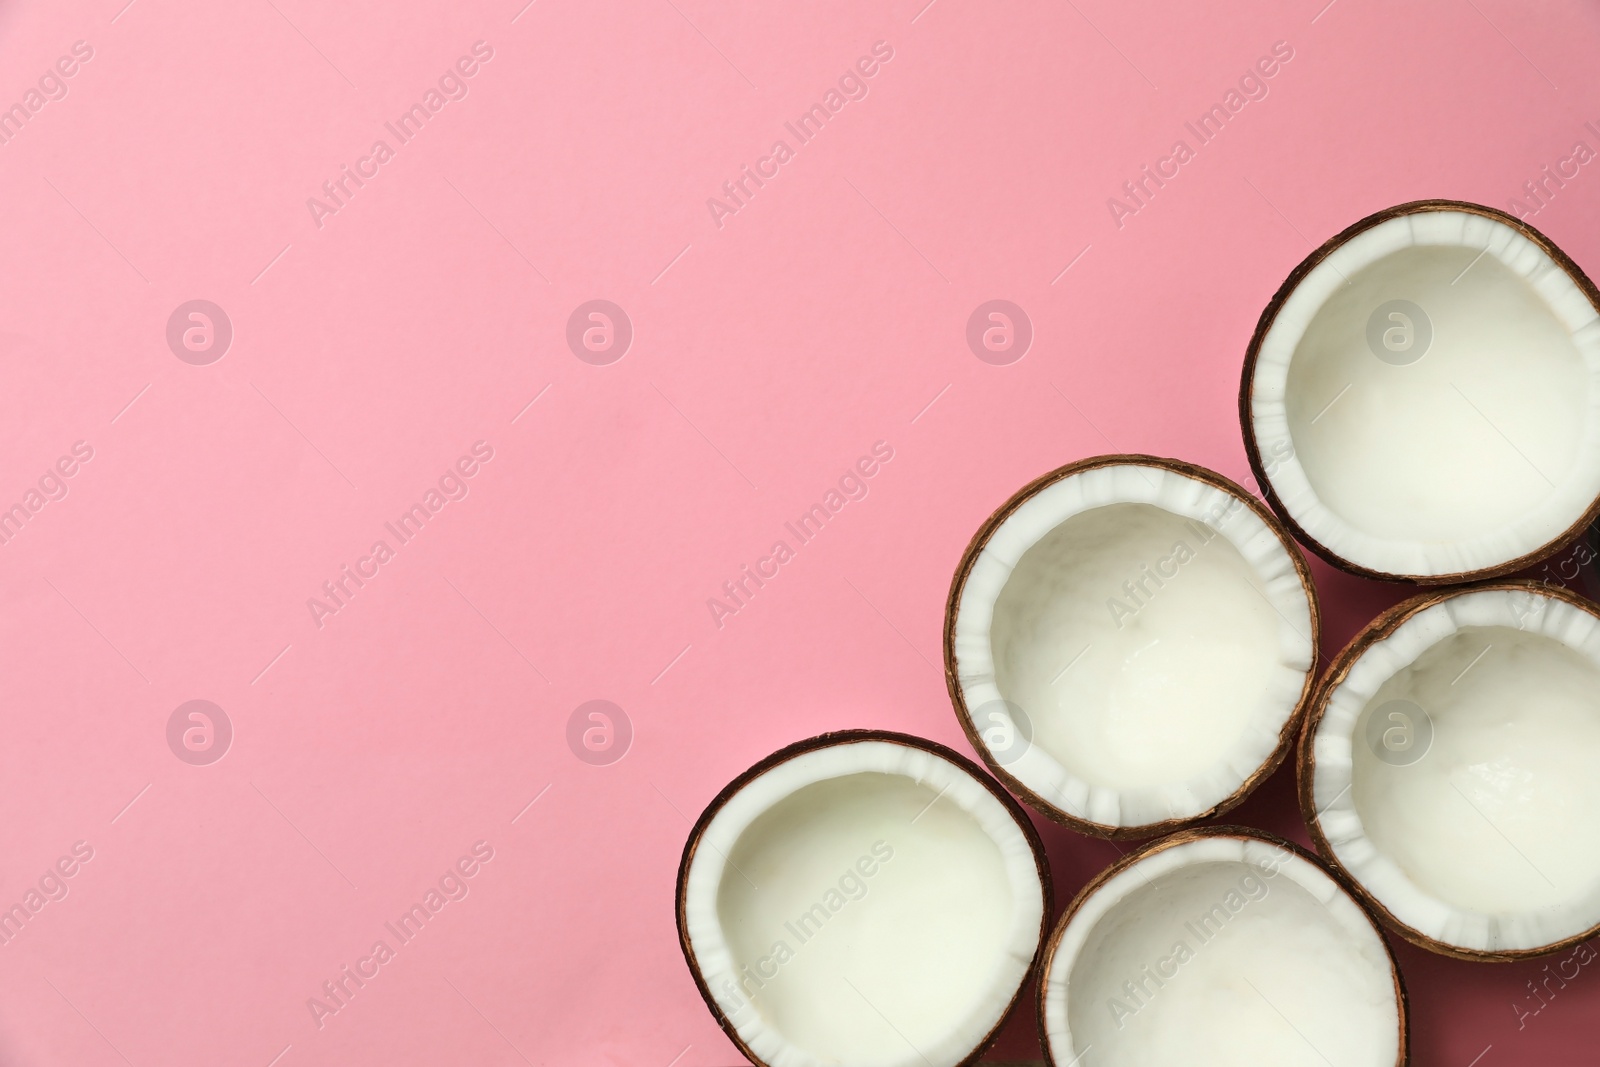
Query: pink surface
[[421, 320]]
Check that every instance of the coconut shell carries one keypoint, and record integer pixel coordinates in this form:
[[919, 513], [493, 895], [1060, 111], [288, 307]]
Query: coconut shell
[[1306, 760], [1402, 1001], [1270, 314], [829, 740], [964, 714]]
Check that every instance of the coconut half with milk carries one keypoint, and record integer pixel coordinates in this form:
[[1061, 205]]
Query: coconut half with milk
[[1129, 643], [1421, 397], [1448, 766], [1219, 946], [864, 898]]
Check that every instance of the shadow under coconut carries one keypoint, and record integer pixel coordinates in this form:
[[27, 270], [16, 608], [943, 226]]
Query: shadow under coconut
[[1533, 1011], [1348, 604], [1074, 860]]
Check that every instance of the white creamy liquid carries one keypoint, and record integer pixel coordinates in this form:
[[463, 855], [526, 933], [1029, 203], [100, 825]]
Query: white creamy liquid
[[1142, 688], [873, 966], [1219, 964], [1502, 813], [1466, 440]]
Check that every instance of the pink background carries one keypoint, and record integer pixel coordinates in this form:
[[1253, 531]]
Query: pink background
[[768, 353]]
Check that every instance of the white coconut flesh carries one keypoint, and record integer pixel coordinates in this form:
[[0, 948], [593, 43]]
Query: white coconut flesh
[[1427, 400], [1152, 630], [867, 903], [1455, 771], [1221, 950]]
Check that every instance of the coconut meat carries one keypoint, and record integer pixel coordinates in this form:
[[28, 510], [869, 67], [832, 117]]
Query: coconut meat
[[1425, 402], [867, 903], [1486, 840], [1221, 950], [1152, 630]]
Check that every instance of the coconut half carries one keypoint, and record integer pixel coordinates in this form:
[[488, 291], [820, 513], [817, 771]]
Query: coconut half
[[1421, 398], [862, 897], [1129, 642], [1220, 946], [1448, 765]]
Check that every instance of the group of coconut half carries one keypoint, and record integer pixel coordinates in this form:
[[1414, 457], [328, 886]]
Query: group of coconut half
[[1131, 645]]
